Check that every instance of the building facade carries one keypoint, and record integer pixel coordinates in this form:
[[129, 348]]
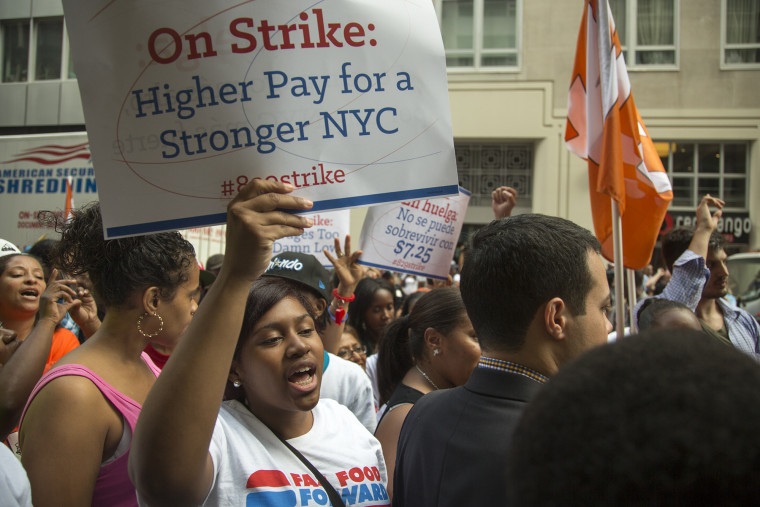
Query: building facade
[[694, 69]]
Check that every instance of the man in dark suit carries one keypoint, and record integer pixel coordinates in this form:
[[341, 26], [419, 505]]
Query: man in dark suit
[[536, 292]]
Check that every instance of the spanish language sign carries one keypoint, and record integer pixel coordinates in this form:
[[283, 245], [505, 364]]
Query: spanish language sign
[[321, 236], [35, 171], [416, 237], [187, 100]]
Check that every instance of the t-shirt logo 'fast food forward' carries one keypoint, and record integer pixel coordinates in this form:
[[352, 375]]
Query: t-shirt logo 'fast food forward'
[[362, 487]]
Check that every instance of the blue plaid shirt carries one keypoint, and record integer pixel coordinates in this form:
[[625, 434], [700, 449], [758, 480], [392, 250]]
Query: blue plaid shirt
[[68, 323], [685, 286]]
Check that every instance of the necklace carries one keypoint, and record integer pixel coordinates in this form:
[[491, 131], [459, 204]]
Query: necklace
[[426, 377]]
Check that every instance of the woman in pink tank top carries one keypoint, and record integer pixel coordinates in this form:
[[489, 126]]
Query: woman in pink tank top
[[77, 427]]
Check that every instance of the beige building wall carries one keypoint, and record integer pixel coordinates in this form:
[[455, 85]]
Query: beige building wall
[[698, 102]]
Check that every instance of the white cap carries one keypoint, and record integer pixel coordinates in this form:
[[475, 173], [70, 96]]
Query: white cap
[[7, 248]]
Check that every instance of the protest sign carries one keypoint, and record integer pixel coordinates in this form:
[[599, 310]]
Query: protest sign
[[34, 170], [416, 237], [187, 100], [321, 236]]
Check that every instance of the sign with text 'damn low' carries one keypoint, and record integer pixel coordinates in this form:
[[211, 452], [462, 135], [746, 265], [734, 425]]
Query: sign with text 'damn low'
[[187, 100], [416, 237], [318, 238]]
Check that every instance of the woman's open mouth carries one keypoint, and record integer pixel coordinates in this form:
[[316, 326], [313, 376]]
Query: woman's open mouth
[[304, 378], [30, 293]]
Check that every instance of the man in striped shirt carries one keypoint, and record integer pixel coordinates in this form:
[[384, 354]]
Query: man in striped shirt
[[699, 281]]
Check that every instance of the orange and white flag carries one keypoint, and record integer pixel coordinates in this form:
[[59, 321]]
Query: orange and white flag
[[605, 128], [69, 199]]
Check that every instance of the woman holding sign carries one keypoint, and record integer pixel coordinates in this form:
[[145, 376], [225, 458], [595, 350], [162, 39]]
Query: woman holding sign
[[273, 442], [79, 421]]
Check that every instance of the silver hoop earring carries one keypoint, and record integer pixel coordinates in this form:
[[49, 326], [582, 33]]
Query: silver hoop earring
[[149, 335]]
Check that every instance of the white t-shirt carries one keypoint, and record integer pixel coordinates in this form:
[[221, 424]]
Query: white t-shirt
[[253, 467], [14, 484], [372, 373], [348, 384]]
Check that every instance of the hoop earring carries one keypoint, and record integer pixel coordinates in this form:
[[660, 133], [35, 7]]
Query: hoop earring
[[149, 335]]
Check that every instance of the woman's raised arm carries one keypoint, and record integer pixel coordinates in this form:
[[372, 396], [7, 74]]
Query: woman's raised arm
[[169, 460]]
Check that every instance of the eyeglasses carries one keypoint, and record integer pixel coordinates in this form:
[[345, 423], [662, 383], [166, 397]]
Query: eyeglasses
[[346, 353]]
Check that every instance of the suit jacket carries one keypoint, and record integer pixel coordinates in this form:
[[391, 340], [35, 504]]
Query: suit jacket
[[453, 446]]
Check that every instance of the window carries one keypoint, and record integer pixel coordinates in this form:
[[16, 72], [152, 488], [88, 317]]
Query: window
[[483, 167], [32, 49], [49, 48], [648, 31], [480, 34], [716, 168], [15, 41], [741, 33]]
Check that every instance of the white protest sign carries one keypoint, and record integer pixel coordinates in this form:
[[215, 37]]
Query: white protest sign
[[416, 237], [187, 100], [321, 236]]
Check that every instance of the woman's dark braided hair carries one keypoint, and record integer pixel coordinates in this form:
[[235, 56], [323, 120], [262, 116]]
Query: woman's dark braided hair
[[119, 267]]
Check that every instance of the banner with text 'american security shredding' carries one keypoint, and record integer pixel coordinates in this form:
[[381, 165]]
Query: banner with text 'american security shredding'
[[188, 100]]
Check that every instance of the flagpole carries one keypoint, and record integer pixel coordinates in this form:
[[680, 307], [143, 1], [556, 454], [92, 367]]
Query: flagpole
[[617, 248], [630, 276]]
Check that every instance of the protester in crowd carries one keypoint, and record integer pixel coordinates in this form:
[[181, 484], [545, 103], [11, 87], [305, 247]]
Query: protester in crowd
[[190, 448], [43, 251], [409, 303], [398, 291], [536, 292], [410, 285], [432, 348], [503, 201], [350, 348], [372, 272], [700, 280], [206, 278], [15, 489], [214, 264], [342, 381], [76, 431], [666, 418], [658, 313], [371, 310], [160, 353], [639, 294], [22, 283], [45, 344], [20, 369], [655, 283], [369, 313]]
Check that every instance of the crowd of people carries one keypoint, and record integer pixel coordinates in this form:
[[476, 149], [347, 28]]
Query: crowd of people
[[132, 375]]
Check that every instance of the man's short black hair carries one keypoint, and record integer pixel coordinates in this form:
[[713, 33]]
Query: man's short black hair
[[663, 418], [677, 241], [516, 264]]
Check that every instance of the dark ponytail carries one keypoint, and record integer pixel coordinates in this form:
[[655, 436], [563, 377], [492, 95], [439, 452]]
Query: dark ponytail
[[394, 357]]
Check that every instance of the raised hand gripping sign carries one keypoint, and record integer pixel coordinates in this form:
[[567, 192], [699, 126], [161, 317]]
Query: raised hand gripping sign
[[417, 236], [187, 100]]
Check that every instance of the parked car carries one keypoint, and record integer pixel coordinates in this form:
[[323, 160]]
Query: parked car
[[744, 281]]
